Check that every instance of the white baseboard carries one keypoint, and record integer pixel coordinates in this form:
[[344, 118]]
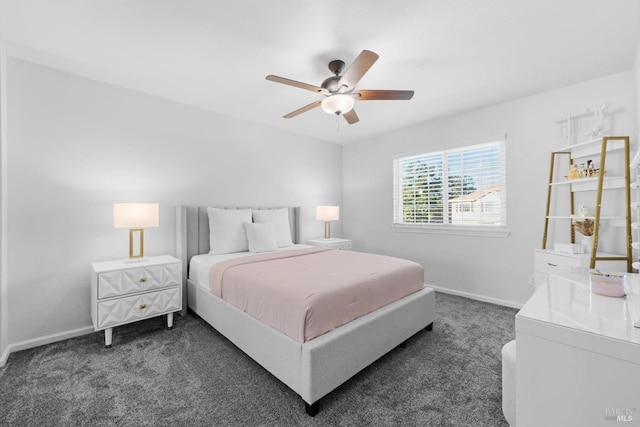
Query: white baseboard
[[477, 297], [47, 339], [4, 356]]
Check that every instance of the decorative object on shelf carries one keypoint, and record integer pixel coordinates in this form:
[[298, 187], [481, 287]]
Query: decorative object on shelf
[[583, 170], [586, 229], [136, 217], [596, 130], [571, 123], [587, 244], [573, 172], [327, 214]]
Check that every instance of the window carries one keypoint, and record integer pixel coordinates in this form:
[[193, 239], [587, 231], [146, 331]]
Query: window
[[459, 189]]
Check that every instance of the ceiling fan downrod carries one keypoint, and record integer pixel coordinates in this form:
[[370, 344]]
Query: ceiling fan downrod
[[336, 66]]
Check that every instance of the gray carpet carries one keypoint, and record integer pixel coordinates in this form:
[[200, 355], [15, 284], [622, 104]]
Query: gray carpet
[[192, 375]]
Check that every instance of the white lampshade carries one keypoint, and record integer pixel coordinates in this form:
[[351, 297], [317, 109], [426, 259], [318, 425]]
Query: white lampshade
[[328, 213], [338, 104], [135, 215]]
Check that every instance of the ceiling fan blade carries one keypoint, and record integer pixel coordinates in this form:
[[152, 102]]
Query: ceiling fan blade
[[383, 95], [351, 117], [360, 66], [307, 107], [294, 83]]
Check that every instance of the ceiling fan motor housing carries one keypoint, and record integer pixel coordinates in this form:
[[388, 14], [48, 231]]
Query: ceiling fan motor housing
[[331, 84]]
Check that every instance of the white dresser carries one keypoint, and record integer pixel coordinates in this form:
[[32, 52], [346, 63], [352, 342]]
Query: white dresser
[[124, 292], [577, 357]]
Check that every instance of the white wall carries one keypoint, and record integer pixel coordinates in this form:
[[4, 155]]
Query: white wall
[[4, 341], [76, 146], [494, 269]]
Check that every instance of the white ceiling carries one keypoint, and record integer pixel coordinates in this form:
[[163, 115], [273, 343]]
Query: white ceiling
[[456, 54]]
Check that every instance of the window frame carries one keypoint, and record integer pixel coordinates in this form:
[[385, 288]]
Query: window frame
[[446, 227]]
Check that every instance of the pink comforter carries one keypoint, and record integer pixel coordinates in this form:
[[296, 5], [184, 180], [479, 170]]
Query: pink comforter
[[307, 292]]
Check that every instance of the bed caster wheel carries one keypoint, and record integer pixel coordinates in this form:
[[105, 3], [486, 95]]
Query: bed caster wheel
[[312, 410], [107, 346], [169, 328]]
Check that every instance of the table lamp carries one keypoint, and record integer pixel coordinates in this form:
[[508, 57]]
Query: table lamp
[[135, 217], [327, 214]]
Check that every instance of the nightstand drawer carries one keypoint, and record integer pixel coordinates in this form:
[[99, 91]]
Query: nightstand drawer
[[124, 310], [134, 280]]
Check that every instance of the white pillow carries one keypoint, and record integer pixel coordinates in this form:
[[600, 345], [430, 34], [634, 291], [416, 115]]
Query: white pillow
[[260, 237], [280, 220], [226, 232]]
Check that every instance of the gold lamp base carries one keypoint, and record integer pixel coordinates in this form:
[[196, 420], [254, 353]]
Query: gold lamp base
[[327, 229], [136, 234]]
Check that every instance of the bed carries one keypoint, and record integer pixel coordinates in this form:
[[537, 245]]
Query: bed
[[313, 368]]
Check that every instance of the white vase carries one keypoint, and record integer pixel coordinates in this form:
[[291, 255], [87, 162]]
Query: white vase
[[587, 244]]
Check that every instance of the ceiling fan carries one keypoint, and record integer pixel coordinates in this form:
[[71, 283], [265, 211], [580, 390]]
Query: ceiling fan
[[339, 89]]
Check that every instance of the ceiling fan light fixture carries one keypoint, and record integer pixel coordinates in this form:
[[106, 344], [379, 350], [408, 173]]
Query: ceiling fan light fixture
[[338, 104]]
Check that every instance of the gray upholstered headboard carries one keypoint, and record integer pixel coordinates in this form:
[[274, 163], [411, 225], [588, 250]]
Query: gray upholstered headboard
[[192, 235]]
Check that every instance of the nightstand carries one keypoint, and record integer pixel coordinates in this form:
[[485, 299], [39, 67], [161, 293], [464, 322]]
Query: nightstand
[[342, 244], [124, 292]]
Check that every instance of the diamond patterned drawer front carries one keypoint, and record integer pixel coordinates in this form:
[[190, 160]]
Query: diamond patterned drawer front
[[344, 246], [124, 310], [134, 280], [335, 243]]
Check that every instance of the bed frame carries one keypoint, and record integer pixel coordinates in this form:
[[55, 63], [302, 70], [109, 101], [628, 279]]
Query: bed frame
[[314, 368]]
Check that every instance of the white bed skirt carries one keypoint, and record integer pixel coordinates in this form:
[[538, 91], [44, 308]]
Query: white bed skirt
[[317, 367]]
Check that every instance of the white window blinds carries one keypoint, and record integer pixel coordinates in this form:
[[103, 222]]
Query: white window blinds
[[464, 187]]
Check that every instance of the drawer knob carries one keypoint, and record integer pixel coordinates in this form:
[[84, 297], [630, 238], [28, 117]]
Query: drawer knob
[[143, 279], [143, 306]]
